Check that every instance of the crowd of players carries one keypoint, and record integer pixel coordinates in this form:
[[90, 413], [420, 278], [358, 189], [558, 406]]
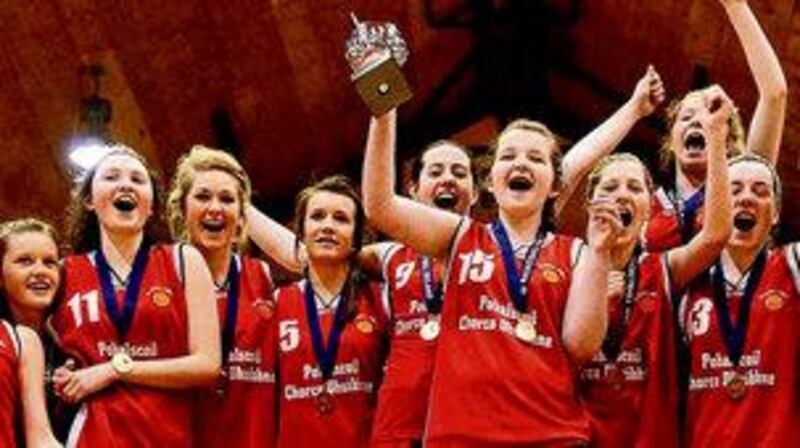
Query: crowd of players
[[673, 321]]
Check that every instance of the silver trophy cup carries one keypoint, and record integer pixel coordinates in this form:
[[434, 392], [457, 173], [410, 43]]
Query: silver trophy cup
[[375, 52]]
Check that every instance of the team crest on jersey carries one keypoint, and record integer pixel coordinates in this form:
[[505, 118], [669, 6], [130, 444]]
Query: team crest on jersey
[[552, 273], [774, 300], [161, 297], [647, 301], [364, 323], [265, 308]]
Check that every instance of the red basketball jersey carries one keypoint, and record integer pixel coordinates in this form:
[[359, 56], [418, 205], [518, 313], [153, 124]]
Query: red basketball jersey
[[127, 415], [243, 412], [632, 400], [403, 396], [768, 414], [355, 378], [489, 387], [663, 230], [9, 386]]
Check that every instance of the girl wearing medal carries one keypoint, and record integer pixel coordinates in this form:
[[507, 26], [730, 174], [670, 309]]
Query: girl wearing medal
[[331, 328], [206, 208], [676, 212], [29, 278], [442, 177], [742, 326], [138, 318], [629, 388], [513, 327]]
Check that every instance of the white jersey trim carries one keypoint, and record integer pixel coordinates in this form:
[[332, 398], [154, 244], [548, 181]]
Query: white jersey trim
[[793, 260], [12, 334], [77, 426]]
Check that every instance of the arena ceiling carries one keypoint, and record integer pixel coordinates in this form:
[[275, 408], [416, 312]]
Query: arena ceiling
[[267, 79]]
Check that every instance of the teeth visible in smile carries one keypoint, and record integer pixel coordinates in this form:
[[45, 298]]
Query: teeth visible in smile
[[520, 183], [445, 200], [214, 226], [125, 203], [744, 221], [695, 141]]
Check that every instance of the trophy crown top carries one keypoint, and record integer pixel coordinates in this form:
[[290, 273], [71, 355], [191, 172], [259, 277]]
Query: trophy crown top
[[369, 37]]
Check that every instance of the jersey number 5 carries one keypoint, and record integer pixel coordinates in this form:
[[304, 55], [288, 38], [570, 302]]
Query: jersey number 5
[[289, 335]]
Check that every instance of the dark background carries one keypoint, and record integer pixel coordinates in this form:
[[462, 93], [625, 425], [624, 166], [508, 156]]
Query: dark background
[[267, 79]]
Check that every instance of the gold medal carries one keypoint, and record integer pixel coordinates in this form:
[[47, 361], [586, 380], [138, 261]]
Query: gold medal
[[161, 297], [324, 402], [737, 387], [525, 330], [430, 329], [364, 324]]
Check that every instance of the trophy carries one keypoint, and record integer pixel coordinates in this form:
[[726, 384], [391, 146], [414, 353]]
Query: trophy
[[375, 52]]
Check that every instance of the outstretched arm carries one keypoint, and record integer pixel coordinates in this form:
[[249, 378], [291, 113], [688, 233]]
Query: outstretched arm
[[31, 378], [586, 313], [686, 262], [275, 240], [766, 128], [579, 160], [422, 227]]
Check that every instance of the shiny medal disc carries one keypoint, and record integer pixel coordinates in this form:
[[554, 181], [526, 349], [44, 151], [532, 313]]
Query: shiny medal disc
[[430, 330], [525, 330], [736, 387], [615, 377], [364, 324], [324, 403]]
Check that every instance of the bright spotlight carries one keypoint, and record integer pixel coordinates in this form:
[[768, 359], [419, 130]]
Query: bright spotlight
[[84, 153]]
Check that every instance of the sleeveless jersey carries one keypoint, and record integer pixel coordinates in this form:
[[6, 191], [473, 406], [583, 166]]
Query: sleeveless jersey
[[769, 412], [242, 411], [9, 386], [403, 396], [355, 378], [632, 401], [490, 388], [663, 230], [127, 415]]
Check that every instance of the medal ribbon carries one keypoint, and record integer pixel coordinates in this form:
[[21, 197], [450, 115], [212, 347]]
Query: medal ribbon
[[430, 288], [687, 210], [518, 286], [122, 320], [231, 312], [734, 337], [612, 343], [326, 356]]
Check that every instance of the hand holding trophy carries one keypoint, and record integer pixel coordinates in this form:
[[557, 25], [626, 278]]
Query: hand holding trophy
[[375, 52]]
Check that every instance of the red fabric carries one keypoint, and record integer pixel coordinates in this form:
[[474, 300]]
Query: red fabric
[[641, 410], [403, 396], [9, 387], [355, 377], [769, 412], [490, 388], [245, 416], [126, 415], [663, 230]]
